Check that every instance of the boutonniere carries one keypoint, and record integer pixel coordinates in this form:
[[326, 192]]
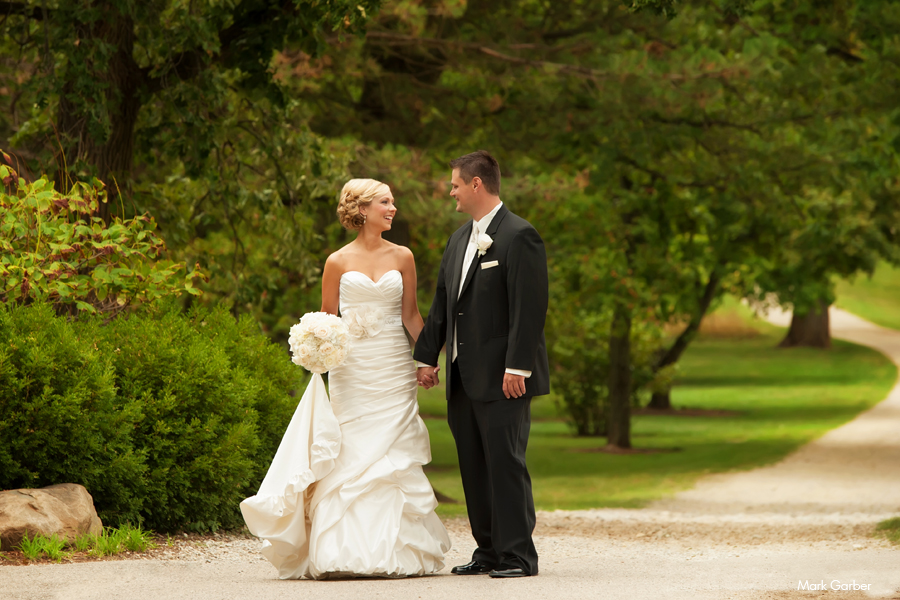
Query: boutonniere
[[483, 242]]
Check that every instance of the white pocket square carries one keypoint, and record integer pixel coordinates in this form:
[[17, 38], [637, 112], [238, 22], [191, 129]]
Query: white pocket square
[[489, 264]]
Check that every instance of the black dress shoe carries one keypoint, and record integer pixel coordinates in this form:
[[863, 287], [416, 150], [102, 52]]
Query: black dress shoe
[[502, 573], [473, 568]]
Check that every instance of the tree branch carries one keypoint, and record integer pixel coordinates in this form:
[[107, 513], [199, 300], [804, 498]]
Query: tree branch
[[190, 63], [682, 341], [705, 123], [20, 8], [396, 39]]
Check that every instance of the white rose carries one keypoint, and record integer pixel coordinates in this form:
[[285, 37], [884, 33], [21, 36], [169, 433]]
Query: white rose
[[331, 361], [326, 348], [304, 351], [483, 242], [321, 331]]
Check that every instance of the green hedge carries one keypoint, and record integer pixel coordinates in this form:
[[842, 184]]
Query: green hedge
[[168, 419]]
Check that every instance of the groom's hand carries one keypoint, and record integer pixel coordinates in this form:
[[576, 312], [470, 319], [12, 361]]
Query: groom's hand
[[427, 376], [513, 385]]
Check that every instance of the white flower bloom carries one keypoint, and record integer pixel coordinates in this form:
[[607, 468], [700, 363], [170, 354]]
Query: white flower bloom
[[319, 342], [363, 322], [483, 242]]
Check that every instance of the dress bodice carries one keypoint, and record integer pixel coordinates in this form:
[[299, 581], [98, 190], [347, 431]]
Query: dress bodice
[[357, 291]]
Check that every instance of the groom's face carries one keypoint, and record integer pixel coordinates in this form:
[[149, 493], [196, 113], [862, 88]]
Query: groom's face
[[462, 192]]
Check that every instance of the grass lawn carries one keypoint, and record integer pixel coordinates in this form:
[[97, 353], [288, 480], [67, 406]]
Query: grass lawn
[[782, 399], [876, 299]]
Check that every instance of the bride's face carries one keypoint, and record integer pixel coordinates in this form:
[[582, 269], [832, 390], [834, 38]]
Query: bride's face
[[380, 213]]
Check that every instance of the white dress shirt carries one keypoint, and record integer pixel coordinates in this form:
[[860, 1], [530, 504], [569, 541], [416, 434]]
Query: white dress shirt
[[478, 227]]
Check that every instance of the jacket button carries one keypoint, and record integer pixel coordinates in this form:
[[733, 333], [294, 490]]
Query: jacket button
[[460, 314]]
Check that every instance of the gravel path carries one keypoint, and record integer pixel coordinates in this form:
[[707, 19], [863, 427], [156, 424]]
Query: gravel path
[[752, 535]]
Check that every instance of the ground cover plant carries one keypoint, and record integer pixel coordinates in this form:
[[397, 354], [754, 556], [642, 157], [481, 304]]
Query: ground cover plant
[[769, 401], [109, 542], [890, 530]]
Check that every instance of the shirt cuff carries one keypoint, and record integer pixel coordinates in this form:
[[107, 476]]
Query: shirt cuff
[[419, 365], [525, 374]]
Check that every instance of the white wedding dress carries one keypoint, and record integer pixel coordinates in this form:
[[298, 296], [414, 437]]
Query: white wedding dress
[[346, 494]]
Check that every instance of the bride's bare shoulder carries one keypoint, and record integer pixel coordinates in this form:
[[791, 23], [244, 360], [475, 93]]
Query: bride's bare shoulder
[[399, 254], [337, 260]]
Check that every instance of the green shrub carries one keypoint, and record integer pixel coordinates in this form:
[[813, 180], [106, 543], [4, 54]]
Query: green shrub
[[578, 344], [214, 393], [168, 419], [60, 418]]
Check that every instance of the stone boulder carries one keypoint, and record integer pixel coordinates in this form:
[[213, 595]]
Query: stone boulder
[[66, 509]]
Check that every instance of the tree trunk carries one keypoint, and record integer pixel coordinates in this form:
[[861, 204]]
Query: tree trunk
[[619, 422], [111, 158], [810, 330], [661, 400]]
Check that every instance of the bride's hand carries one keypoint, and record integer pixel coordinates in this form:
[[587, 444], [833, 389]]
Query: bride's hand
[[427, 376]]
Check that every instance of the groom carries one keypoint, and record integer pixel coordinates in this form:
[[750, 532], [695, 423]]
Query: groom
[[489, 309]]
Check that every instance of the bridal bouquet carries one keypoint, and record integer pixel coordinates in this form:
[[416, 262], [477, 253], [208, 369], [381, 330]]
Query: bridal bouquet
[[319, 342]]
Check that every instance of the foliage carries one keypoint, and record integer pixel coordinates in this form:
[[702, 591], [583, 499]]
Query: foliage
[[61, 419], [214, 398], [52, 547], [690, 155], [53, 250], [112, 541], [578, 341], [258, 213], [108, 542], [889, 529], [179, 106], [168, 420]]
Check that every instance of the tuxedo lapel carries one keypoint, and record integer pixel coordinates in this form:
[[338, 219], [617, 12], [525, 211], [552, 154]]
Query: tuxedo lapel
[[458, 258], [476, 260]]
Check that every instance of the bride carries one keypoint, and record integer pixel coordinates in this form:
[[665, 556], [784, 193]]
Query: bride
[[346, 494]]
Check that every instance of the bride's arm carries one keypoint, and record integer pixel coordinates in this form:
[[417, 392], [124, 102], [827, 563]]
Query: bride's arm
[[331, 286], [412, 319]]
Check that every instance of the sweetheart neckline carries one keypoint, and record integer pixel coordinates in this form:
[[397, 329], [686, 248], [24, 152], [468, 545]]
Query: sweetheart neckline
[[369, 278]]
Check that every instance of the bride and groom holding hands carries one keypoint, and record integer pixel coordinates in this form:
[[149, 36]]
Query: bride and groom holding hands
[[346, 494]]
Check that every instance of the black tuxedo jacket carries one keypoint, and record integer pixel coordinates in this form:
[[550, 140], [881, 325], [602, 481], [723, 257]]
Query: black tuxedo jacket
[[500, 314]]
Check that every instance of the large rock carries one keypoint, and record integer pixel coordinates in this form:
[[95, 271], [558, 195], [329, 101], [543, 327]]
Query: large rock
[[66, 509]]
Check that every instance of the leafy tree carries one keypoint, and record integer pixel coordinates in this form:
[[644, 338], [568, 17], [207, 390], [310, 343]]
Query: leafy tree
[[178, 108], [706, 142], [849, 223], [93, 66]]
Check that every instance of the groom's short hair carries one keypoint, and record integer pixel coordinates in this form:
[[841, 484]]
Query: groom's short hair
[[479, 164]]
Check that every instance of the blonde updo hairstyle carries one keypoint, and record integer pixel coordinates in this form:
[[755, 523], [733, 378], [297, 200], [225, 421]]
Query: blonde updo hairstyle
[[358, 193]]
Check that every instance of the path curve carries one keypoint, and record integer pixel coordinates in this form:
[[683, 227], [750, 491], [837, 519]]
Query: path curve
[[851, 470]]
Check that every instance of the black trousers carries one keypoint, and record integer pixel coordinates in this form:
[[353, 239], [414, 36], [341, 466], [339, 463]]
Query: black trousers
[[491, 438]]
